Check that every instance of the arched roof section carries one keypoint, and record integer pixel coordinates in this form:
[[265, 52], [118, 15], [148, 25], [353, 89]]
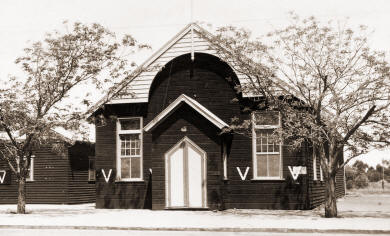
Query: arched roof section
[[191, 38], [201, 60], [135, 88]]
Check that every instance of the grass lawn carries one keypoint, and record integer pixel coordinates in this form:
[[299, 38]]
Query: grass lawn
[[372, 201]]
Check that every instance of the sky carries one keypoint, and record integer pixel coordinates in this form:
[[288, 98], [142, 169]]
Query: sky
[[155, 22]]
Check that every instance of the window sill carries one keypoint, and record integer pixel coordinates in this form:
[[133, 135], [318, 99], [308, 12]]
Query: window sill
[[129, 180], [267, 179], [187, 208]]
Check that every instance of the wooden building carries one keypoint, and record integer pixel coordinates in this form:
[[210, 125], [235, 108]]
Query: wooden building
[[160, 145], [54, 178]]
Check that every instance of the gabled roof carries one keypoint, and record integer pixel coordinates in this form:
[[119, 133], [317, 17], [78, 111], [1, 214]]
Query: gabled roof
[[192, 103], [117, 88], [135, 87], [57, 134]]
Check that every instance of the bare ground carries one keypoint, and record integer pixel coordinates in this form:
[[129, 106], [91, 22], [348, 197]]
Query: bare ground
[[357, 211]]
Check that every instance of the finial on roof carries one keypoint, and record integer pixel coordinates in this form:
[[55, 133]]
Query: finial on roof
[[192, 31], [192, 42]]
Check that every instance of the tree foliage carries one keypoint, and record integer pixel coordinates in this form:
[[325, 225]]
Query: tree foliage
[[350, 174], [332, 89], [360, 166], [373, 175], [361, 181], [359, 174], [33, 106]]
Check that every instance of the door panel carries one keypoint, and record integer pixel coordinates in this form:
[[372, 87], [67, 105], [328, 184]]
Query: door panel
[[176, 178], [186, 176], [194, 178]]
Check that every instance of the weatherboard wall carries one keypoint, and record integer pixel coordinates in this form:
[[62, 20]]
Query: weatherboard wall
[[80, 189], [205, 81], [317, 186], [113, 193], [54, 181]]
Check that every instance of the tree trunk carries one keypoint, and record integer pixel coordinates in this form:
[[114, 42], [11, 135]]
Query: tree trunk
[[330, 197], [21, 209]]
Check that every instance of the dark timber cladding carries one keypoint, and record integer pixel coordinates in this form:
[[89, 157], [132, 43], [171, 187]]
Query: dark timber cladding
[[205, 81], [317, 186], [58, 178], [183, 104]]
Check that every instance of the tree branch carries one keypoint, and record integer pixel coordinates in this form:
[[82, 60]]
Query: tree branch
[[357, 125]]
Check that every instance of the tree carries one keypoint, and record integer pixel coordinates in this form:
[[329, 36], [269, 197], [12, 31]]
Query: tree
[[330, 87], [373, 175], [360, 166], [361, 181], [350, 174], [32, 107]]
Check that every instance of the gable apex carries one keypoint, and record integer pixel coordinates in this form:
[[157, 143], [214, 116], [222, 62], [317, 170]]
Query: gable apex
[[142, 77], [191, 39], [193, 104]]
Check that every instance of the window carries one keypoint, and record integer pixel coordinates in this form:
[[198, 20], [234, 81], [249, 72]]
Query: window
[[91, 169], [267, 158], [314, 166], [30, 174], [129, 149], [321, 174]]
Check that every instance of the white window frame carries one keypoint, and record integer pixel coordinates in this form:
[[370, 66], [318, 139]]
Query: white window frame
[[224, 160], [91, 172], [254, 151], [314, 166], [118, 148], [31, 170]]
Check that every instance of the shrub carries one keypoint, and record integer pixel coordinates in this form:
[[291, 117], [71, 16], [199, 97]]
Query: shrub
[[361, 181], [374, 176], [350, 173], [349, 184]]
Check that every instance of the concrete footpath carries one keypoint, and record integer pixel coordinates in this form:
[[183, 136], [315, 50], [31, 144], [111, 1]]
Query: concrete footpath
[[87, 217]]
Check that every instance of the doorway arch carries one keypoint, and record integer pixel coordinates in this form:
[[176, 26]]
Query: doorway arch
[[185, 175]]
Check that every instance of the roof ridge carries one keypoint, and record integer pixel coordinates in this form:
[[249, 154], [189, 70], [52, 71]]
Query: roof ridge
[[114, 90], [139, 69]]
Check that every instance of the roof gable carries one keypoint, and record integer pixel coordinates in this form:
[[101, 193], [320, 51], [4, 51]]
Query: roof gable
[[56, 135], [191, 38], [135, 88], [192, 103]]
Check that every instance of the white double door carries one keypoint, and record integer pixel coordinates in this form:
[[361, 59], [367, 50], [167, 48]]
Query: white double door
[[185, 165]]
